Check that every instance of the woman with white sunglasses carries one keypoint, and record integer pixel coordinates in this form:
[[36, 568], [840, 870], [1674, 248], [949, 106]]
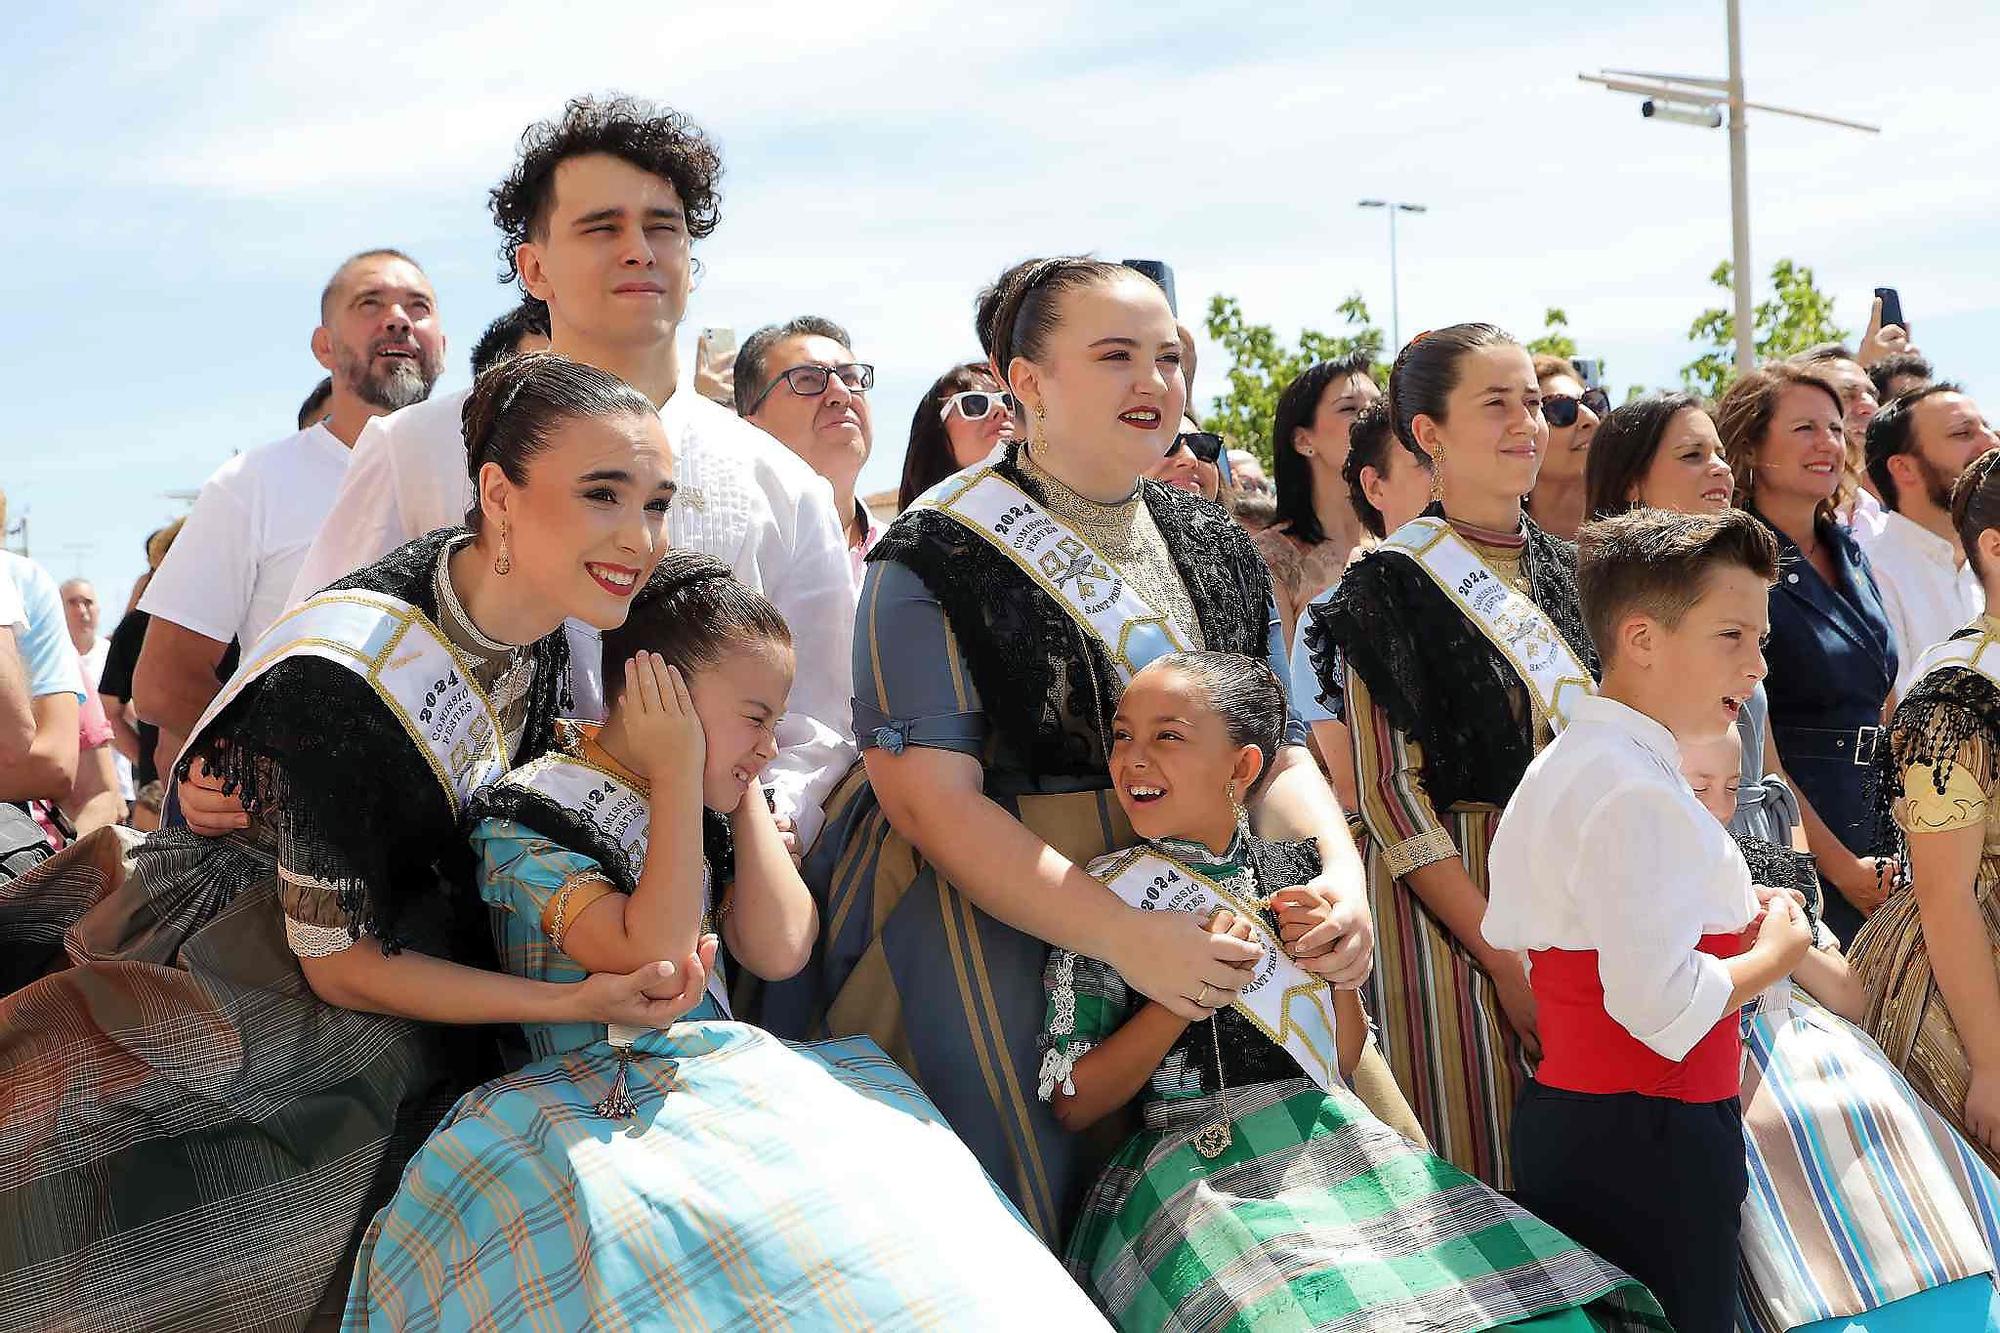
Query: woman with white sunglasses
[[961, 419]]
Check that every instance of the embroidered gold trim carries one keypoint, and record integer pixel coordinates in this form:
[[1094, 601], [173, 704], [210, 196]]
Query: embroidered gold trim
[[1427, 848], [585, 887]]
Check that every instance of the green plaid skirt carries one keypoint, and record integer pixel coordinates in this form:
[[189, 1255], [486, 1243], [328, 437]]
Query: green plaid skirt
[[1317, 1216]]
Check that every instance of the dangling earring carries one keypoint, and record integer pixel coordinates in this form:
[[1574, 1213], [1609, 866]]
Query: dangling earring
[[1437, 477], [1242, 815], [1038, 440], [503, 563]]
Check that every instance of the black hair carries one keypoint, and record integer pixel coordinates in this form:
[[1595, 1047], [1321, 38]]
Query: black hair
[[314, 407], [1893, 431], [1656, 562], [1894, 367], [750, 379], [929, 460], [1369, 441], [504, 334], [1026, 310], [1975, 505], [652, 138], [516, 406], [1624, 447], [1297, 407], [691, 611], [1245, 694], [988, 306], [380, 252], [1827, 351], [1426, 371]]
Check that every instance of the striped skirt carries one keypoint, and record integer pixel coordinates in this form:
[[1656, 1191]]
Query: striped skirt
[[189, 1138], [1861, 1196], [1319, 1217], [757, 1185], [1438, 1016]]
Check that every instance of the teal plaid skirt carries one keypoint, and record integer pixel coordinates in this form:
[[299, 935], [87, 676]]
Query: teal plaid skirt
[[758, 1185], [1318, 1216]]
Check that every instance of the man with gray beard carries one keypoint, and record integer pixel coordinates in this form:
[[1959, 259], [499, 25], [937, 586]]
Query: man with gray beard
[[234, 562]]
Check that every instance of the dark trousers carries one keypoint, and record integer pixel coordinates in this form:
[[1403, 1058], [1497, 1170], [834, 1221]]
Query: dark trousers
[[1654, 1186]]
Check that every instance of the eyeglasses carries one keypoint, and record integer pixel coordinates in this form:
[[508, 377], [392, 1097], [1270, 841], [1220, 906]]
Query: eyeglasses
[[1560, 408], [1205, 445], [810, 380], [976, 404]]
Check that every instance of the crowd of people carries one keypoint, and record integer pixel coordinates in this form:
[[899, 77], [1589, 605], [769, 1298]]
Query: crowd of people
[[552, 856]]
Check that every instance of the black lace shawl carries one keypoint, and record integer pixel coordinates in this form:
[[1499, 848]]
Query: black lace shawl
[[1439, 679], [1049, 689], [1248, 1056], [1780, 867], [1941, 712], [311, 746], [573, 830]]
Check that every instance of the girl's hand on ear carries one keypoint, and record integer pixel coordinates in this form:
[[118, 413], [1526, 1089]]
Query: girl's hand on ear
[[660, 720]]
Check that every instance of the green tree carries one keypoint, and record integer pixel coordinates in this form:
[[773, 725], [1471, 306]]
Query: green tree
[[1555, 339], [1797, 315], [1261, 366]]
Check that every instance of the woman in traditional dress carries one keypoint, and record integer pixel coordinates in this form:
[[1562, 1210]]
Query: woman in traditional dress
[[1459, 642], [200, 1112], [1930, 955], [1663, 452], [685, 1174], [1001, 615], [1864, 1209], [1317, 527], [1260, 1193], [1831, 654]]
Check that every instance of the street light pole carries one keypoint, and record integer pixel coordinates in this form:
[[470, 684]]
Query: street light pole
[[1695, 101], [1739, 197], [1395, 295]]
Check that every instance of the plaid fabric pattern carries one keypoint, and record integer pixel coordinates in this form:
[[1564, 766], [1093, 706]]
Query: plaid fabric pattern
[[1860, 1194], [189, 1138], [1319, 1217], [759, 1186]]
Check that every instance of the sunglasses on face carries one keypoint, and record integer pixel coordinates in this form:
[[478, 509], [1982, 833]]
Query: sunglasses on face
[[810, 380], [1205, 445], [976, 404], [1560, 408]]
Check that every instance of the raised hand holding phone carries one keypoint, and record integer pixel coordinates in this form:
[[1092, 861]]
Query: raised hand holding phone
[[1887, 333], [660, 721]]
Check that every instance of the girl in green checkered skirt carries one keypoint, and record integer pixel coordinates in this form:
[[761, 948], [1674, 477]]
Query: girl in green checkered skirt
[[1258, 1193]]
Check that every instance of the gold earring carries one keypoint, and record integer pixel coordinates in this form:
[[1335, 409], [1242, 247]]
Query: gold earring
[[1236, 810], [504, 562], [1038, 440], [1437, 477]]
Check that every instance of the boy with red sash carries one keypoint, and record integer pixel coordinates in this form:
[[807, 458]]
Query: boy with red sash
[[1643, 933]]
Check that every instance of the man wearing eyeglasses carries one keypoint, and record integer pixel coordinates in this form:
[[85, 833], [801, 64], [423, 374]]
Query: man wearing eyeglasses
[[800, 382]]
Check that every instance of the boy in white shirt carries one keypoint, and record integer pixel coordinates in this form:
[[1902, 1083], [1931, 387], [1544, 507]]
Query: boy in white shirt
[[1643, 932]]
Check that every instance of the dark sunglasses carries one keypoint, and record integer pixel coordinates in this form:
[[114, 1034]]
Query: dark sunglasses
[[1205, 445], [811, 379], [1560, 408]]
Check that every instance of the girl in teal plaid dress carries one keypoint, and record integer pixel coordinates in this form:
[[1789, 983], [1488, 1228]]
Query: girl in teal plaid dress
[[710, 1176], [1254, 1197]]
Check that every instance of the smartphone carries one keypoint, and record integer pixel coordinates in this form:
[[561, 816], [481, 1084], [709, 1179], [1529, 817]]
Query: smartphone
[[1591, 368], [717, 346], [1162, 273], [1892, 308]]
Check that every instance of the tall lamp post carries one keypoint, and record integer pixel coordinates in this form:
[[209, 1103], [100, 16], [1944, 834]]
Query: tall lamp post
[[1395, 301], [1692, 101]]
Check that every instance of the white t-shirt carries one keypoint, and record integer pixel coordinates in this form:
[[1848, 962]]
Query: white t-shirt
[[230, 572], [743, 498], [1927, 591]]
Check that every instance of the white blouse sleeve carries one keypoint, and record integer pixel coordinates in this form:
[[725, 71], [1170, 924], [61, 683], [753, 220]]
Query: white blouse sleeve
[[1637, 887]]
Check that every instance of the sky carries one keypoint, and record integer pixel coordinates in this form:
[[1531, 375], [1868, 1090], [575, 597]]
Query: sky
[[182, 178]]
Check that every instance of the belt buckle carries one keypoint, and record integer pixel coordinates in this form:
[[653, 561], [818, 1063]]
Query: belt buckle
[[1866, 740]]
